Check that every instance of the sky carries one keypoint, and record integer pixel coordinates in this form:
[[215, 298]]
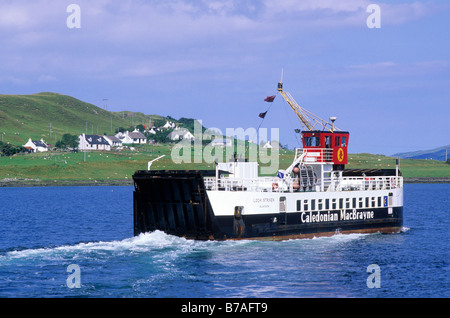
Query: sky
[[216, 61]]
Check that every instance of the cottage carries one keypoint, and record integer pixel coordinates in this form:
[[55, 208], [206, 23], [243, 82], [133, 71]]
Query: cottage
[[36, 145], [180, 133], [270, 145], [93, 142], [134, 137], [113, 141], [168, 125]]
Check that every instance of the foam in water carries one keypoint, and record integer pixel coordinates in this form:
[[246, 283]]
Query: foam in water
[[404, 229], [153, 241], [139, 243]]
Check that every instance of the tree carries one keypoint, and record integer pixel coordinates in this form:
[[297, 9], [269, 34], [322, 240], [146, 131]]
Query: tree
[[67, 141], [120, 129], [160, 136], [140, 127], [6, 149]]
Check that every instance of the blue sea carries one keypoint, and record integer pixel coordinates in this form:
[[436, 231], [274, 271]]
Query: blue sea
[[78, 242]]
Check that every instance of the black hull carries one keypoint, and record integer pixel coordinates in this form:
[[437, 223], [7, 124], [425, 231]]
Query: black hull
[[177, 203], [290, 225]]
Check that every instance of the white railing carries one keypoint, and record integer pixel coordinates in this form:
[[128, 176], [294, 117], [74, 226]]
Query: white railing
[[331, 184], [260, 184], [324, 155], [363, 183]]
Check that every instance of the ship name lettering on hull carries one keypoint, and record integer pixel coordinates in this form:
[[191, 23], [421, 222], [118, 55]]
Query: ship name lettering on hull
[[356, 215], [311, 217]]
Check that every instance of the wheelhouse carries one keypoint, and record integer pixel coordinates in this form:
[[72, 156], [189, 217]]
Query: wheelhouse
[[326, 146]]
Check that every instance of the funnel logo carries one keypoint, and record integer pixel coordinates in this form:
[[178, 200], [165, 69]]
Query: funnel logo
[[340, 155]]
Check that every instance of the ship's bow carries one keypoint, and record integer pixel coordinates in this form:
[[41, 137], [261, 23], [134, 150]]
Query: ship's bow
[[175, 202]]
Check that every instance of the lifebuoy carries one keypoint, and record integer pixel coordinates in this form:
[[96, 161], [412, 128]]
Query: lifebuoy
[[274, 186]]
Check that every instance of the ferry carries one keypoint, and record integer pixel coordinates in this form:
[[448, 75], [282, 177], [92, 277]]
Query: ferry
[[315, 196]]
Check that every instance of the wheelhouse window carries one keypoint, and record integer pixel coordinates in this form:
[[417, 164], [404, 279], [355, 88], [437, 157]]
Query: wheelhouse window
[[337, 141], [312, 141], [344, 141], [327, 141]]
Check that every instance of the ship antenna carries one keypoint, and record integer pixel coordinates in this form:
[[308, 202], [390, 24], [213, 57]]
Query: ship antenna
[[280, 83]]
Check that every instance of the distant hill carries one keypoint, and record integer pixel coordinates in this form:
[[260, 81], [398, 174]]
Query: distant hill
[[436, 154], [50, 115]]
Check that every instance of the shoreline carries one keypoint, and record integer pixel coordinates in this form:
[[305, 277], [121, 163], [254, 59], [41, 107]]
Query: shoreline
[[129, 182], [62, 183], [427, 180]]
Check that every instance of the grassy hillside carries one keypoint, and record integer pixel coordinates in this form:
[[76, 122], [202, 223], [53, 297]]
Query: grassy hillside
[[410, 168], [98, 165], [25, 116], [78, 166]]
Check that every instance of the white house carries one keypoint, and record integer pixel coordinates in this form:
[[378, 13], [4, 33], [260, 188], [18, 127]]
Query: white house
[[134, 137], [270, 145], [180, 133], [168, 125], [36, 145], [113, 141], [93, 142]]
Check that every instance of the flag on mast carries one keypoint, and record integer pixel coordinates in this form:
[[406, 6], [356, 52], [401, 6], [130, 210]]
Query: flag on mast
[[269, 98]]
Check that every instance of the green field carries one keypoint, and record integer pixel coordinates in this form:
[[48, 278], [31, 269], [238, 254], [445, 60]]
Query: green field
[[109, 166], [78, 166], [105, 165], [410, 168]]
